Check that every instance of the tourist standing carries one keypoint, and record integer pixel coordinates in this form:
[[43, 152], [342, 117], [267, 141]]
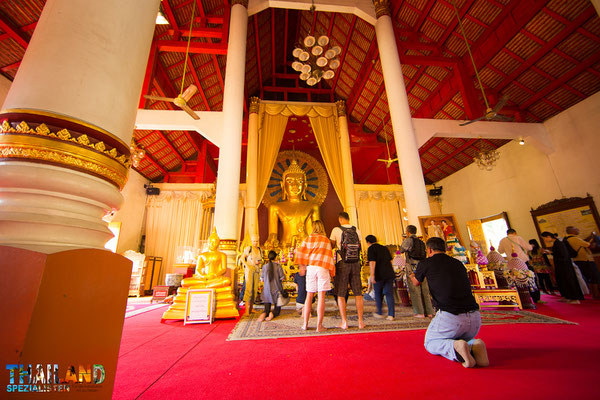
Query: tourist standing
[[584, 259], [382, 276], [515, 244], [540, 266], [566, 278], [451, 333], [272, 277], [252, 260], [346, 238], [316, 257], [419, 294]]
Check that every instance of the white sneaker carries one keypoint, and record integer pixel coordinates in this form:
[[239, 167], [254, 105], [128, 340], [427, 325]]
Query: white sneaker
[[389, 318]]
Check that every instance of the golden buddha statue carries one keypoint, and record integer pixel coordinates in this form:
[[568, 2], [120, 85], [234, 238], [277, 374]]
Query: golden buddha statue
[[210, 274], [295, 212]]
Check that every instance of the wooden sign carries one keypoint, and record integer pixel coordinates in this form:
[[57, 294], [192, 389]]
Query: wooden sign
[[159, 293], [199, 306]]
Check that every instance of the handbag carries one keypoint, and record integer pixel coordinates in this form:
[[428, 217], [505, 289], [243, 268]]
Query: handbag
[[283, 298]]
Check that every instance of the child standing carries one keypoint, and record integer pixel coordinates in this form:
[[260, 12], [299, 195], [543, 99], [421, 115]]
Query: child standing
[[272, 276]]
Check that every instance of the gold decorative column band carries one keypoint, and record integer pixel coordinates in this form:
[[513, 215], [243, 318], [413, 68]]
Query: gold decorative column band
[[341, 107], [382, 7], [52, 139], [254, 104], [228, 244], [241, 2]]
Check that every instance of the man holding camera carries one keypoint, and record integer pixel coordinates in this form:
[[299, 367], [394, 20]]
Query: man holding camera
[[451, 333]]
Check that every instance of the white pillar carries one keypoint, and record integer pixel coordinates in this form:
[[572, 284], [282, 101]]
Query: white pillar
[[252, 169], [413, 182], [347, 163], [230, 153], [68, 120]]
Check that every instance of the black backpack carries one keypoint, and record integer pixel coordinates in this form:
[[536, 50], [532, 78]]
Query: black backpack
[[417, 251], [349, 245], [572, 252]]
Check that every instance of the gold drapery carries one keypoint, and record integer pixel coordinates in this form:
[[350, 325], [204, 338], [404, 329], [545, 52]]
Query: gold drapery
[[380, 214], [177, 219], [324, 122]]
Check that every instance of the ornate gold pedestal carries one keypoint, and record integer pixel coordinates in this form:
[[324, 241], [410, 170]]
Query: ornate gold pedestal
[[224, 299]]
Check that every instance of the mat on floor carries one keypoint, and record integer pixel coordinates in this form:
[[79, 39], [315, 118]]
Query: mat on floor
[[288, 323]]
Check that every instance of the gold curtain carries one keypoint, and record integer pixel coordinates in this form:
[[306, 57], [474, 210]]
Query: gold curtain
[[176, 219], [324, 122], [379, 214]]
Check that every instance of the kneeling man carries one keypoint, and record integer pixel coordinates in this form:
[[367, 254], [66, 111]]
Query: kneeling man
[[452, 331]]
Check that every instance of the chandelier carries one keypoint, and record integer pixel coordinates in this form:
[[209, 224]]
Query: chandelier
[[486, 159], [315, 58], [137, 154]]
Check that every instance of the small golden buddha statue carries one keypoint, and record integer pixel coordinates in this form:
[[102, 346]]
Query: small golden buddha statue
[[210, 274], [293, 210]]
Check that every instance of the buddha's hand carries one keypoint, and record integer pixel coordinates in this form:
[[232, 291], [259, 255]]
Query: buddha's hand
[[272, 241]]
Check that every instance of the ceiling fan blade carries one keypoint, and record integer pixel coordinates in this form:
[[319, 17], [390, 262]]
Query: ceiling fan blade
[[190, 112], [158, 98], [501, 103], [473, 120], [189, 92], [500, 117]]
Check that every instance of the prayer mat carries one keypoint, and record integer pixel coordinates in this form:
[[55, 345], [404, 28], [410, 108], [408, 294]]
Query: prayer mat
[[289, 322], [136, 308]]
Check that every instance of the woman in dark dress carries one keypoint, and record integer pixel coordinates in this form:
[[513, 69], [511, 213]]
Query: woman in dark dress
[[566, 280], [272, 275]]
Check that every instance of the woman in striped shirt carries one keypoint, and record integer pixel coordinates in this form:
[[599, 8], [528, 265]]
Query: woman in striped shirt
[[316, 256]]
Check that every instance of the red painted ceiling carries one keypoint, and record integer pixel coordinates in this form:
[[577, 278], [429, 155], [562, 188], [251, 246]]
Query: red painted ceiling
[[543, 55]]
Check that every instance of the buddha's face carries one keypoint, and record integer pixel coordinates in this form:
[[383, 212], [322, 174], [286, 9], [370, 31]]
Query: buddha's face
[[294, 184], [213, 243]]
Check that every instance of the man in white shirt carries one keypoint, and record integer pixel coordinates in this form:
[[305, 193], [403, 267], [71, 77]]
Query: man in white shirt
[[514, 243], [347, 272]]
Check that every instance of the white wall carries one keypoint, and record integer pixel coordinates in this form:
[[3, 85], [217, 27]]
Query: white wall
[[132, 212], [525, 178]]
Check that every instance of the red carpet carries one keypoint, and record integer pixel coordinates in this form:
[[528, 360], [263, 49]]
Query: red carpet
[[169, 361]]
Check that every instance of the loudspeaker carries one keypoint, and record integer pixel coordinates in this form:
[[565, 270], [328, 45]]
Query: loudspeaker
[[435, 191], [152, 191]]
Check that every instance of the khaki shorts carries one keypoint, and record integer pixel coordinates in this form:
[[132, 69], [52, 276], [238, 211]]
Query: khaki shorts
[[317, 279]]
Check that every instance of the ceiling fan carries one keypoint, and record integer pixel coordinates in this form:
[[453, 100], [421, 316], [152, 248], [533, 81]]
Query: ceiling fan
[[181, 100], [184, 96], [388, 161], [491, 114]]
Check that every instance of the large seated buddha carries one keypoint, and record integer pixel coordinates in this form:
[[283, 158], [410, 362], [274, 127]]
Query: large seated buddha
[[210, 274], [295, 212]]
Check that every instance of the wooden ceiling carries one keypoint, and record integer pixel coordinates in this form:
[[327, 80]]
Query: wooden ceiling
[[543, 55]]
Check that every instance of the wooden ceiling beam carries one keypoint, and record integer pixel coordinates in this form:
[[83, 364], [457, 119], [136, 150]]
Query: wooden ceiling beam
[[457, 151], [363, 76], [170, 145], [424, 14], [170, 17], [376, 98], [175, 46], [150, 67], [197, 82], [258, 57], [11, 66], [213, 33], [273, 46], [344, 52], [565, 77], [15, 32], [156, 164], [454, 23], [547, 47], [307, 91]]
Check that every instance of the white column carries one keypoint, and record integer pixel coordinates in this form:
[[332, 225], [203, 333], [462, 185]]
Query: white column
[[230, 153], [68, 120], [413, 182], [347, 163], [252, 169]]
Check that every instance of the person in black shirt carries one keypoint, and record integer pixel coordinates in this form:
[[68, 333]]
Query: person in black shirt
[[382, 276], [451, 333]]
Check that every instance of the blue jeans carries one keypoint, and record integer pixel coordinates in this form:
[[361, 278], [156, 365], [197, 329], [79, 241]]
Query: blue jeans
[[382, 288], [446, 327]]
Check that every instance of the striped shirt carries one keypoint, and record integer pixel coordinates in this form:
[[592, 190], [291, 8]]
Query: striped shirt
[[315, 250]]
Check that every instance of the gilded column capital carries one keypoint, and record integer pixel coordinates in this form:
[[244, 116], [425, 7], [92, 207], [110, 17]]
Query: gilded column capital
[[341, 107], [240, 2], [382, 7], [48, 138], [254, 104]]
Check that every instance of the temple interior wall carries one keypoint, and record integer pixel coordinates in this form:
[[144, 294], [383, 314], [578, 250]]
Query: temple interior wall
[[525, 178], [132, 213]]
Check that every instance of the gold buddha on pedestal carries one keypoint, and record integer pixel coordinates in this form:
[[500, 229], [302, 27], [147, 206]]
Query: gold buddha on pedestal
[[210, 274], [295, 212]]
